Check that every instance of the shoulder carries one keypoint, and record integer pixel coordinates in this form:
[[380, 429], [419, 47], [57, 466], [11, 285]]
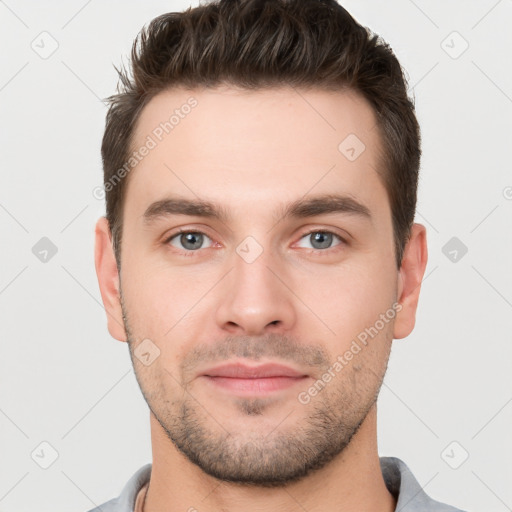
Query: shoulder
[[125, 502], [403, 485]]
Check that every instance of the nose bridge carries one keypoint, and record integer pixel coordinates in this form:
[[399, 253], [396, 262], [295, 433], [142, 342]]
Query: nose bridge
[[254, 297]]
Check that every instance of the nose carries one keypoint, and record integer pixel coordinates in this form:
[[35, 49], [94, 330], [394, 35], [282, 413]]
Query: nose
[[256, 297]]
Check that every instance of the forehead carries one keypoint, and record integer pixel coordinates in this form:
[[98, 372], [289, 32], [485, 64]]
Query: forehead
[[240, 147]]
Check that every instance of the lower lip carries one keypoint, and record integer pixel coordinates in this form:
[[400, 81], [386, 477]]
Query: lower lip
[[255, 386]]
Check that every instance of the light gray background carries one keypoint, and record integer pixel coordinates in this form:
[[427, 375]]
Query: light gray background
[[66, 382]]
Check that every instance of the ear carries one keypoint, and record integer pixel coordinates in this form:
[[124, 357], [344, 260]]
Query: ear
[[108, 279], [410, 276]]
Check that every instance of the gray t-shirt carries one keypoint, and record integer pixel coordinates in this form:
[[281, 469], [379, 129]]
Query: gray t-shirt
[[398, 478]]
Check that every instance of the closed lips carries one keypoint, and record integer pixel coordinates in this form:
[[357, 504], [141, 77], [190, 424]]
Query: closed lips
[[240, 371]]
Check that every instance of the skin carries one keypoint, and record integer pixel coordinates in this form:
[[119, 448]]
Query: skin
[[252, 153]]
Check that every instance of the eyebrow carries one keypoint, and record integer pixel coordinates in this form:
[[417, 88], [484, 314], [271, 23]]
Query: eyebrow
[[299, 209]]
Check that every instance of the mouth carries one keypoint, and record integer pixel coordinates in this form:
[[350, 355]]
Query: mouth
[[253, 380]]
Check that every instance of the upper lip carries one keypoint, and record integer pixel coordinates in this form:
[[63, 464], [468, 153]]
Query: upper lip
[[242, 371]]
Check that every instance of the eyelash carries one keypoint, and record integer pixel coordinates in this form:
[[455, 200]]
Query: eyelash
[[328, 250]]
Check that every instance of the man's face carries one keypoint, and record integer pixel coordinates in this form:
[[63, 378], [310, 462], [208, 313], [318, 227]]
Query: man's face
[[256, 286]]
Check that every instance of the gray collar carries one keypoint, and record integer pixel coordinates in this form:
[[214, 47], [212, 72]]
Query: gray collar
[[398, 478], [410, 496]]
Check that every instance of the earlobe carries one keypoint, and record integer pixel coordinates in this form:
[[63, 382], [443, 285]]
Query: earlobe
[[410, 276], [108, 279]]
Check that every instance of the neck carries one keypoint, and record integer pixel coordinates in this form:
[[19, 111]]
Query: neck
[[351, 482]]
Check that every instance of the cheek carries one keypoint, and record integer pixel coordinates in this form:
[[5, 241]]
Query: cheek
[[348, 298], [152, 304], [162, 305]]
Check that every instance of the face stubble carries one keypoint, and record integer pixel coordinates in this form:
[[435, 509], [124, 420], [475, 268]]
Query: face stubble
[[249, 457]]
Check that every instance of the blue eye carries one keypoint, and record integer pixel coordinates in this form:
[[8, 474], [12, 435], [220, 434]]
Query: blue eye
[[322, 238], [190, 240]]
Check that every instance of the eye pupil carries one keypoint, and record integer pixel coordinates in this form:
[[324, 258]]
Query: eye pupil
[[325, 239], [189, 237]]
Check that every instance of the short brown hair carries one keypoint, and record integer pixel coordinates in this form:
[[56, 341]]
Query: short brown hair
[[257, 44]]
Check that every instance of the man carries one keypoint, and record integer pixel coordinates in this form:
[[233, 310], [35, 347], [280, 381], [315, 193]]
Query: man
[[259, 256]]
